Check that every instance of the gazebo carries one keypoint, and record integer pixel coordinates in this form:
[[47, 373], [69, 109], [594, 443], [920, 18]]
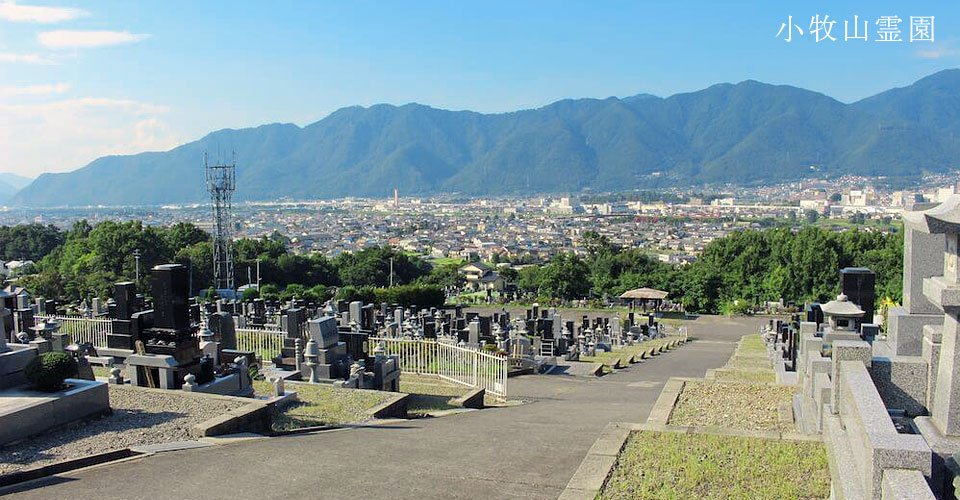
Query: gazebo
[[645, 296]]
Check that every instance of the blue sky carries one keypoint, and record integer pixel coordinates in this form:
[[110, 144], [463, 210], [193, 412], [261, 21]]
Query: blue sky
[[80, 79]]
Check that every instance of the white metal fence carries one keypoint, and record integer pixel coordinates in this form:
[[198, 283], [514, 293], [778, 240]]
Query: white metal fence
[[80, 329], [464, 366], [266, 343]]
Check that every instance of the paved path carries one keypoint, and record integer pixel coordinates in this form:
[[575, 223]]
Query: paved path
[[527, 451]]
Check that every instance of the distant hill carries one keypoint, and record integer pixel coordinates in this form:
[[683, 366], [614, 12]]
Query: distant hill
[[10, 184], [748, 132]]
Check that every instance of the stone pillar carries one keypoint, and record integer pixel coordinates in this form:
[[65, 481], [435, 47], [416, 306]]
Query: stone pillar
[[944, 291], [932, 335], [922, 258], [847, 350], [190, 383], [116, 376]]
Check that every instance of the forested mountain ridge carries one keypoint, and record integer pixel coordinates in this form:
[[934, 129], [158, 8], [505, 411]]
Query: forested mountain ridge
[[748, 132]]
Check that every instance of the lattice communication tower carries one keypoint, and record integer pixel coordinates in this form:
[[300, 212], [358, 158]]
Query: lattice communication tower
[[221, 183]]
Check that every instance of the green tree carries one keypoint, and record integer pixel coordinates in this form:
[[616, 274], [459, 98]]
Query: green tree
[[182, 235], [528, 279], [566, 277], [371, 267]]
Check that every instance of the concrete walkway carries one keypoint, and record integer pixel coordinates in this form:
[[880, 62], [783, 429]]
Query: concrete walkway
[[527, 451]]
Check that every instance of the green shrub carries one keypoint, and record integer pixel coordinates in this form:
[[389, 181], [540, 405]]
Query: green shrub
[[250, 294], [47, 371]]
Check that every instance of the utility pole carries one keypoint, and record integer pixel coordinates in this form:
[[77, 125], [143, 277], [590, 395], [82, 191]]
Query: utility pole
[[136, 255], [258, 274], [391, 271]]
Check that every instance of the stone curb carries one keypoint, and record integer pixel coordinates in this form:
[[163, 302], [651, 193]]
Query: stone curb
[[252, 417], [396, 407], [33, 473], [589, 478], [597, 370], [660, 414], [472, 399]]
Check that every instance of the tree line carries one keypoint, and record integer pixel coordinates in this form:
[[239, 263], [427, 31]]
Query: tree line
[[85, 261], [745, 267], [742, 269]]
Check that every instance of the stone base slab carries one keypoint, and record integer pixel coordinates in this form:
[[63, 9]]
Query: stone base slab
[[26, 413]]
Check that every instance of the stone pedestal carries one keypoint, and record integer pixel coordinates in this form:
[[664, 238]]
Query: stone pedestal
[[847, 350], [166, 367], [946, 400], [905, 329], [922, 258]]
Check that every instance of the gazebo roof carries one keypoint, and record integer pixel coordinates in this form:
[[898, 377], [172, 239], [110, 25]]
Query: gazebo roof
[[644, 294]]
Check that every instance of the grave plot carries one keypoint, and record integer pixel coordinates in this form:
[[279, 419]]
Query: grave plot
[[654, 465], [140, 417], [322, 404], [711, 439], [741, 396], [750, 363], [430, 394]]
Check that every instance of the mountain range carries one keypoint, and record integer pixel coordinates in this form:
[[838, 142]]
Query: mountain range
[[10, 184], [746, 133]]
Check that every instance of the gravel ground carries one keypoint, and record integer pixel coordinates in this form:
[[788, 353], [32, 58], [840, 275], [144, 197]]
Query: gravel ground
[[731, 405], [139, 417]]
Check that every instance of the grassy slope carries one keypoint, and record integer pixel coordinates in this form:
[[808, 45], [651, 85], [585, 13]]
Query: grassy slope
[[669, 465]]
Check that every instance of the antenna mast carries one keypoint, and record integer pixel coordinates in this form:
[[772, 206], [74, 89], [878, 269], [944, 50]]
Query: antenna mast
[[221, 183]]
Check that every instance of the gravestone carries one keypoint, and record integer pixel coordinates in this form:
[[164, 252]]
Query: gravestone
[[172, 351], [221, 324], [124, 331], [356, 312]]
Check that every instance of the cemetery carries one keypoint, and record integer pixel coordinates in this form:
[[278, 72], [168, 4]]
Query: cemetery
[[881, 400], [171, 371]]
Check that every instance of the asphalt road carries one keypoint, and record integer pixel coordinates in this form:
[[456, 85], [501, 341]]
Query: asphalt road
[[526, 451]]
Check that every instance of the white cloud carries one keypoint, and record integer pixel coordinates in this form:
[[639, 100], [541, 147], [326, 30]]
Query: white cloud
[[6, 57], [71, 39], [12, 11], [104, 103], [66, 134], [939, 50], [47, 89]]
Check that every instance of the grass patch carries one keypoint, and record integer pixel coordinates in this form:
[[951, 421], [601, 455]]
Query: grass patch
[[429, 394], [656, 465], [100, 371], [322, 404], [749, 363]]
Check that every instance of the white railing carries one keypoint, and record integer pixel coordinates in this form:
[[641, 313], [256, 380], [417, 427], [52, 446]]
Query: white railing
[[80, 329], [464, 366], [547, 348], [266, 343]]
